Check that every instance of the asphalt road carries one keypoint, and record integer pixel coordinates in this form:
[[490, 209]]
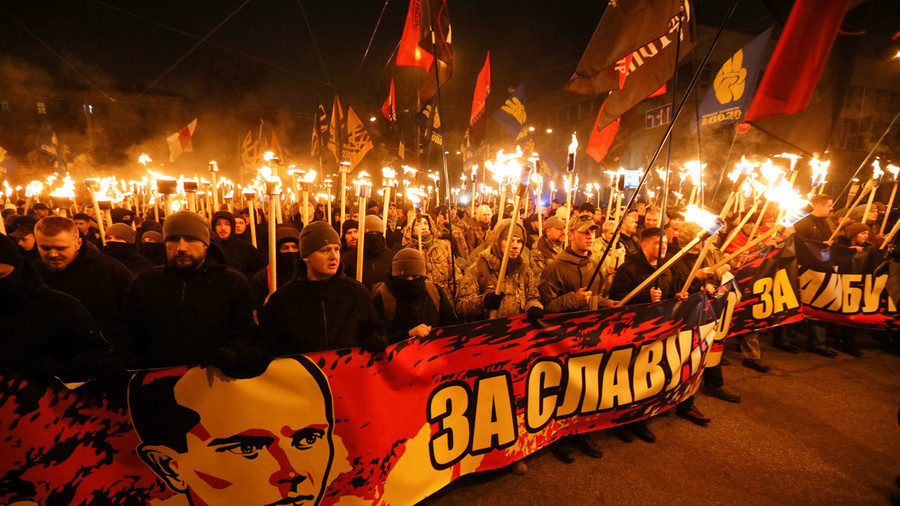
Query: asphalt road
[[812, 430]]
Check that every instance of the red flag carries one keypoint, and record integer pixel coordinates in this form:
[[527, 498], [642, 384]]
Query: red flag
[[180, 141], [798, 60], [409, 54], [602, 139], [389, 108]]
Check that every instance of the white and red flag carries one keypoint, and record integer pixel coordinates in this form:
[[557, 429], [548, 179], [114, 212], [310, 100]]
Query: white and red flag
[[180, 141]]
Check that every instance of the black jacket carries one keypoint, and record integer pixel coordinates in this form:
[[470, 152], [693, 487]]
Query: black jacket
[[631, 244], [633, 272], [241, 255], [411, 307], [97, 281], [178, 318], [46, 333], [154, 251], [377, 260], [286, 265], [129, 255], [306, 316], [813, 228]]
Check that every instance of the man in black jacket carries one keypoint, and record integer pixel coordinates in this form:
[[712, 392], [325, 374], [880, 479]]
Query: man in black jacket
[[376, 255], [120, 245], [814, 226], [46, 333], [322, 308], [287, 243], [76, 267], [410, 303], [241, 255], [194, 309], [22, 231]]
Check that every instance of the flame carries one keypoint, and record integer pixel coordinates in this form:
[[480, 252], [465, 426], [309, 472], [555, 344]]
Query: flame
[[894, 170], [309, 177], [144, 159], [66, 190], [574, 144], [651, 193], [770, 171], [409, 170], [434, 177], [34, 188], [328, 182], [692, 170], [819, 170], [707, 220], [876, 171], [268, 156], [7, 189], [388, 173]]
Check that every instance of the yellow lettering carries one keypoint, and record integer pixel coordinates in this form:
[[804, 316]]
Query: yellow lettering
[[448, 409], [616, 383], [763, 288], [583, 385], [783, 293], [851, 295], [649, 377], [540, 406], [495, 419]]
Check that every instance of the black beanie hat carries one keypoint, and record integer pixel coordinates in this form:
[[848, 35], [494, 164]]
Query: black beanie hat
[[349, 225], [316, 236]]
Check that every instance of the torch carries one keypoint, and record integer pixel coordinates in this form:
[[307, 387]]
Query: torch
[[249, 194], [328, 186], [273, 190], [868, 186], [306, 183], [190, 188], [474, 179], [513, 221], [818, 173], [388, 179], [739, 226], [570, 171], [363, 190], [345, 167], [214, 178], [877, 175], [612, 188], [93, 185], [894, 170], [705, 220], [167, 186], [711, 225]]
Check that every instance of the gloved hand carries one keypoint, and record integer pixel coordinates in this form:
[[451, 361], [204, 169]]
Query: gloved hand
[[492, 300], [535, 313]]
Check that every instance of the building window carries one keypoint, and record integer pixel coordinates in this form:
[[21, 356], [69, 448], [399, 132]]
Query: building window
[[4, 105], [41, 108]]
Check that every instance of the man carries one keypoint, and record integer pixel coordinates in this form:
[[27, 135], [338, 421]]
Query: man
[[632, 273], [74, 266], [376, 255], [240, 254], [40, 211], [321, 308], [628, 234], [436, 251], [478, 227], [22, 231], [652, 217], [120, 245], [815, 226], [46, 333], [614, 258], [152, 247], [194, 309], [519, 292], [241, 229], [349, 236], [410, 303], [441, 218], [261, 440], [287, 242], [548, 245], [86, 228], [675, 219], [121, 215]]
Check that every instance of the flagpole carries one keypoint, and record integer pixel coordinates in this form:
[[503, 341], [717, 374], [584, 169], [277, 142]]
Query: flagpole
[[665, 195], [665, 137], [437, 81], [868, 156]]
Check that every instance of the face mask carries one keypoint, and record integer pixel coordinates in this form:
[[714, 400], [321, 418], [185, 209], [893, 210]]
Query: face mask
[[407, 290], [118, 249]]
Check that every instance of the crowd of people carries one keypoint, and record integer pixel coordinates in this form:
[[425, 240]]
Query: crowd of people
[[195, 290]]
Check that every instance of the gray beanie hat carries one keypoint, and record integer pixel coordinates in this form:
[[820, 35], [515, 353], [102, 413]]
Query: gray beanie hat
[[374, 224], [121, 231], [188, 224], [316, 236], [408, 262], [554, 222]]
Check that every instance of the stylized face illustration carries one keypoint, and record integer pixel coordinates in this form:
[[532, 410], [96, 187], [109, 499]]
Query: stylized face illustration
[[264, 440]]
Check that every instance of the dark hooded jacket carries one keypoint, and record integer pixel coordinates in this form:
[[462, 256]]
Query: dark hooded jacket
[[155, 252], [46, 333], [129, 255], [97, 281], [286, 266], [376, 260], [182, 318], [306, 316], [241, 255], [813, 228], [633, 272], [413, 305]]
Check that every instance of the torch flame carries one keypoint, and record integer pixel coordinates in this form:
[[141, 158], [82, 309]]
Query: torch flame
[[707, 220], [574, 144], [388, 173], [894, 170], [144, 159], [268, 156], [819, 170], [876, 171], [692, 170], [34, 188], [309, 177], [66, 190]]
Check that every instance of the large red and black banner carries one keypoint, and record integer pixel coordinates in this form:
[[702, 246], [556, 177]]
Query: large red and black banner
[[349, 426]]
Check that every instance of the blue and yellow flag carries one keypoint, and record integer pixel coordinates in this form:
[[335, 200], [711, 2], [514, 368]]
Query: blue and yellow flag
[[732, 91], [48, 144], [512, 116]]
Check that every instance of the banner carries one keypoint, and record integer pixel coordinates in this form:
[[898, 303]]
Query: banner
[[349, 426]]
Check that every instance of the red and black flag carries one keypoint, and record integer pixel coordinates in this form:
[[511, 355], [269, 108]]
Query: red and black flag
[[389, 108], [799, 58], [477, 118], [632, 53], [320, 131], [425, 43]]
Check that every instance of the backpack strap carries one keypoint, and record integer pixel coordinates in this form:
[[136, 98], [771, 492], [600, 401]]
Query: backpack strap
[[434, 293], [388, 301]]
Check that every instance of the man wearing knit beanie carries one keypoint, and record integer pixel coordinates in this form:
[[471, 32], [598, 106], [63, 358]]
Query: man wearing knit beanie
[[188, 225], [376, 255], [322, 308], [349, 235], [121, 246]]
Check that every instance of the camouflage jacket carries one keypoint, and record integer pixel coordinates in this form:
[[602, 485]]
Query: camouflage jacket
[[519, 288], [563, 277]]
